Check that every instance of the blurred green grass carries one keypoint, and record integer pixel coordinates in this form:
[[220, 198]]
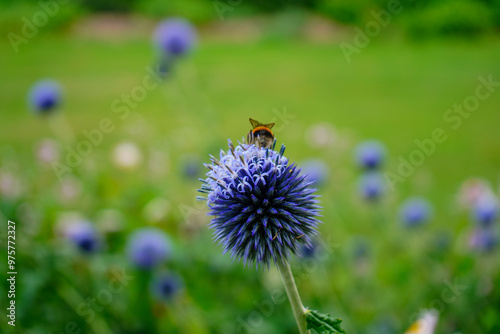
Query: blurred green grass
[[393, 92]]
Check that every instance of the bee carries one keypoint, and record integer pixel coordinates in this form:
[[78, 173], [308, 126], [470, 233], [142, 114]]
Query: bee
[[261, 134]]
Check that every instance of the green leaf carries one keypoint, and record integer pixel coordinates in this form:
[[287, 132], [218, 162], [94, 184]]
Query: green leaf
[[323, 323]]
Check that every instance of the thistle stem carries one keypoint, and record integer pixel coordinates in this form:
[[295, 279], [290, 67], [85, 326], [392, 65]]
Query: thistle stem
[[293, 295]]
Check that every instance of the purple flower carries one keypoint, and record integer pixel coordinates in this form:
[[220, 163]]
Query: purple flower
[[371, 186], [370, 154], [485, 210], [44, 96], [84, 235], [166, 286], [148, 247], [415, 211], [483, 239], [175, 37], [263, 207], [316, 171]]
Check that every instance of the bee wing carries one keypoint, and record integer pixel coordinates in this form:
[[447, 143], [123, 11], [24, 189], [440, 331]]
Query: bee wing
[[269, 125], [254, 123]]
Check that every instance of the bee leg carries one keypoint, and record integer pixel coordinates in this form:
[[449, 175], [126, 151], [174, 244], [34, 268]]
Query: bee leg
[[250, 138]]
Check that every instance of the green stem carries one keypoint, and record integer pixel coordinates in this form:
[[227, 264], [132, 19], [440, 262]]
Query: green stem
[[293, 296]]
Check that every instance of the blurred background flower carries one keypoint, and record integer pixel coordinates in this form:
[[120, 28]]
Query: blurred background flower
[[127, 156], [371, 186], [175, 37], [370, 154], [44, 96], [316, 171], [84, 235], [485, 210], [415, 211], [166, 286], [148, 247]]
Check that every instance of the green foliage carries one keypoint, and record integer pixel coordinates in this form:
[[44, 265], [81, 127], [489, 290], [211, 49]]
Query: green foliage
[[450, 17], [323, 323], [345, 11], [193, 10]]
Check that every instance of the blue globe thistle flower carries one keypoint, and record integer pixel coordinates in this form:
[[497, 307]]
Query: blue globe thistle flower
[[84, 235], [483, 239], [148, 247], [175, 37], [370, 154], [263, 208], [415, 211], [371, 186], [166, 286], [44, 96], [316, 171], [485, 211]]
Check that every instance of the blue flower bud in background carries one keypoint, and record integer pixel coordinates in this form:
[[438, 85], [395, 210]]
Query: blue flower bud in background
[[166, 286], [175, 37], [263, 208], [45, 96], [483, 239], [415, 211], [370, 154], [485, 210], [308, 251], [148, 247], [371, 186], [190, 165], [316, 171], [84, 235]]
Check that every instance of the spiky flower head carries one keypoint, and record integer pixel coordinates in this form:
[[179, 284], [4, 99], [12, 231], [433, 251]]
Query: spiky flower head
[[175, 37], [371, 186], [84, 235], [166, 286], [263, 207], [415, 211], [485, 210], [370, 154], [45, 96], [148, 247]]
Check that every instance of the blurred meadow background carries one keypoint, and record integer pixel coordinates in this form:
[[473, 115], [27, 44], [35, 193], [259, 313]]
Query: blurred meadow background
[[391, 108]]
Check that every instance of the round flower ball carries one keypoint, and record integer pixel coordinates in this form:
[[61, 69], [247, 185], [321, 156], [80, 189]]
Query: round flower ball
[[485, 210], [263, 208], [371, 186], [415, 211], [44, 96], [370, 154], [175, 37], [84, 235], [166, 286], [147, 247], [127, 156], [483, 240]]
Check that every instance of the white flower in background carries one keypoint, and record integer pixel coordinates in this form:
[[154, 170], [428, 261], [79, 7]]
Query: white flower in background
[[47, 151], [70, 189], [10, 184], [127, 156], [426, 324], [472, 190]]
